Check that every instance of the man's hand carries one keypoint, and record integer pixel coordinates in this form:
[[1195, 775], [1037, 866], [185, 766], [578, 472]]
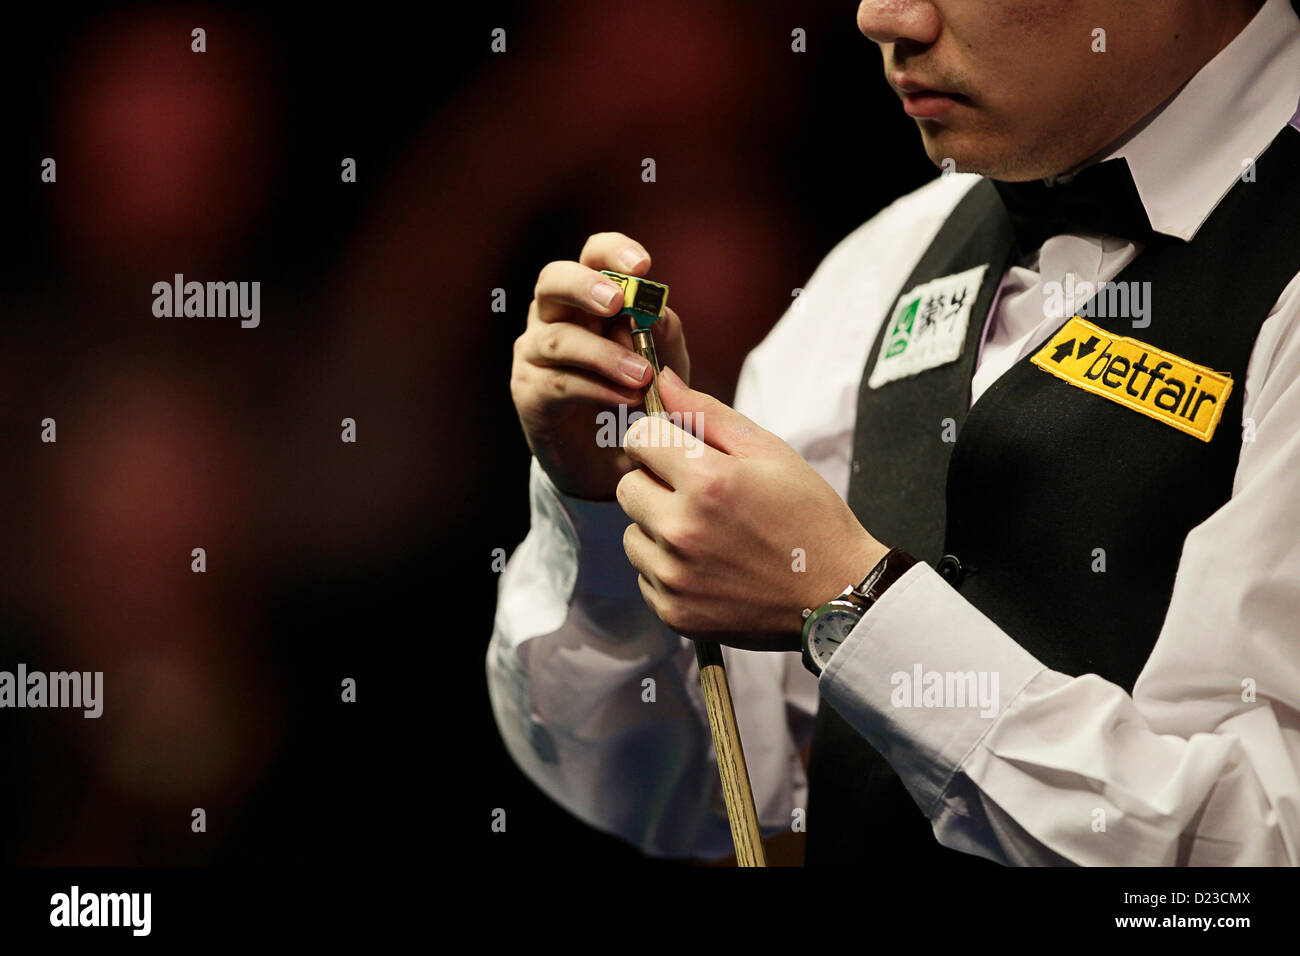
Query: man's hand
[[572, 362], [734, 534]]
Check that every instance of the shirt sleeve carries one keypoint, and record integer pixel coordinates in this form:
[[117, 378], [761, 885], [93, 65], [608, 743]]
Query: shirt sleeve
[[1197, 767], [599, 703]]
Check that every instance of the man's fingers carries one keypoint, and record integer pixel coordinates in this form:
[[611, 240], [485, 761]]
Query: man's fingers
[[562, 286], [719, 427], [615, 251], [670, 344], [644, 499], [561, 385], [621, 332], [644, 555], [659, 565], [563, 344], [665, 449]]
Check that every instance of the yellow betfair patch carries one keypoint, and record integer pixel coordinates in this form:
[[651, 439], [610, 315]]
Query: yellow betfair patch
[[1146, 379]]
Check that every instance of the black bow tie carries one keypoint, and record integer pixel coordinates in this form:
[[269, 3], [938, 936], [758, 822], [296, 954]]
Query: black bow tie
[[1101, 200]]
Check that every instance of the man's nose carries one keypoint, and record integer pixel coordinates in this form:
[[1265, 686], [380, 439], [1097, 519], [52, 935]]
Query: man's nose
[[889, 21]]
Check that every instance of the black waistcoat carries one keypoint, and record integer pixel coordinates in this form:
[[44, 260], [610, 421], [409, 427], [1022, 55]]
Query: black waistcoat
[[1043, 472]]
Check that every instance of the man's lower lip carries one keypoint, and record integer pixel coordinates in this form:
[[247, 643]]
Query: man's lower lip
[[928, 104]]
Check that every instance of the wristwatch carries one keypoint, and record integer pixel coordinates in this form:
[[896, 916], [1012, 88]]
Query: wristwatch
[[826, 628]]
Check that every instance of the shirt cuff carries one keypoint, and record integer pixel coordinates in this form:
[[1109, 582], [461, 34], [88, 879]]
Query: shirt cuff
[[923, 676], [597, 529]]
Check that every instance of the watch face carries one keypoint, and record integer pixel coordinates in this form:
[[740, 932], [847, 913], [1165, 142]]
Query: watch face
[[830, 630]]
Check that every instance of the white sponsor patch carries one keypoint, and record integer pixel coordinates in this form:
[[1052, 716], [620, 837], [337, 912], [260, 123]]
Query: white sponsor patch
[[928, 327]]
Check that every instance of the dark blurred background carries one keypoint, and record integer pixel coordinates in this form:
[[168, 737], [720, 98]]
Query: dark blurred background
[[371, 560]]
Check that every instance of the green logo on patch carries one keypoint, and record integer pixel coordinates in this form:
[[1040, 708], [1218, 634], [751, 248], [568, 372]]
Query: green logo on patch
[[901, 333]]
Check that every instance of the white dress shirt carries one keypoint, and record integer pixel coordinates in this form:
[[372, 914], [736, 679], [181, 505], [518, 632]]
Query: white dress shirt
[[1189, 769]]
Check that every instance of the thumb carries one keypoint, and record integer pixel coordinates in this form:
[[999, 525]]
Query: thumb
[[718, 425]]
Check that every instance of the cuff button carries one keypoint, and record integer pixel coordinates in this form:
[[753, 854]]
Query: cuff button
[[950, 569]]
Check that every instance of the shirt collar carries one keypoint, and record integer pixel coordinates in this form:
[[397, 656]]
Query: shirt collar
[[1186, 157]]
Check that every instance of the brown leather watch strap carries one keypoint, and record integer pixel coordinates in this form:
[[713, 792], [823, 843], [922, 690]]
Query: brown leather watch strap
[[891, 567]]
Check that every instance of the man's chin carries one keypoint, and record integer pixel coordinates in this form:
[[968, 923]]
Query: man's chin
[[956, 150]]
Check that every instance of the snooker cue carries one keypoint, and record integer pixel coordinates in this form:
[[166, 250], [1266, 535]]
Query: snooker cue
[[736, 791]]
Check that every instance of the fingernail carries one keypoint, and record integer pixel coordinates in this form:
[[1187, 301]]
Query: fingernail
[[603, 293], [669, 374], [633, 367], [631, 258]]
